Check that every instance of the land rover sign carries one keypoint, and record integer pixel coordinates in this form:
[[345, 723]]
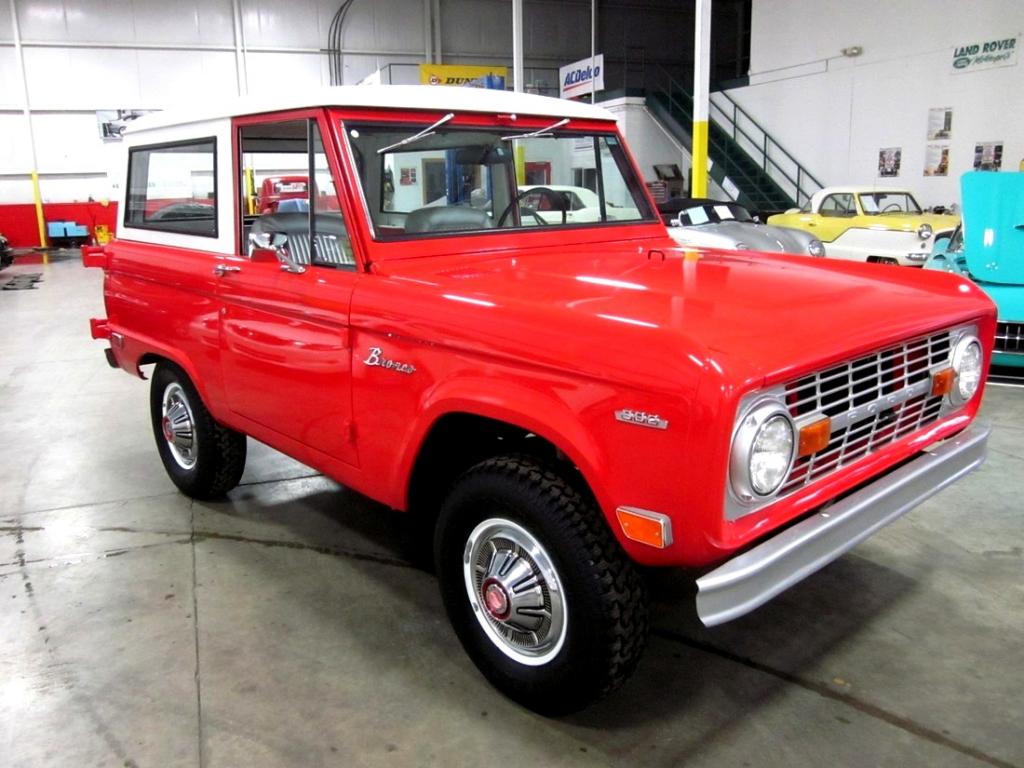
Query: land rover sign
[[985, 54]]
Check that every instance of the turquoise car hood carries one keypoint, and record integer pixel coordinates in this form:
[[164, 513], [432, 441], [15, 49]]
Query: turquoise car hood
[[994, 226]]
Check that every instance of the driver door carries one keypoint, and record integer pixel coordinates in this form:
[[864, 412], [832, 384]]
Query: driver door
[[285, 346]]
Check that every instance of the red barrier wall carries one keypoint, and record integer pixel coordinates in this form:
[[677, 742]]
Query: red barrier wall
[[18, 221]]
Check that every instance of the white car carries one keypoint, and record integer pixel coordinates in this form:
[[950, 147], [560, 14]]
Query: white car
[[582, 205]]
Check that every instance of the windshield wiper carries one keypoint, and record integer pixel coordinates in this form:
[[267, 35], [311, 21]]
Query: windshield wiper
[[428, 131], [538, 134]]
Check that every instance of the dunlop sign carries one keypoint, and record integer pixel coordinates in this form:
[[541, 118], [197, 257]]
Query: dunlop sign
[[986, 54], [581, 76], [457, 74]]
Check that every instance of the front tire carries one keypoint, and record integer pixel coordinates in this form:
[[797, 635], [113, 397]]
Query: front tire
[[538, 591], [202, 458]]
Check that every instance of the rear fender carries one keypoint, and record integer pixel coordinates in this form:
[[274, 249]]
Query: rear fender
[[137, 351]]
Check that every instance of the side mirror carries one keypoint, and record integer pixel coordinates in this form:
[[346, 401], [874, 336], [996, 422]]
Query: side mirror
[[270, 247]]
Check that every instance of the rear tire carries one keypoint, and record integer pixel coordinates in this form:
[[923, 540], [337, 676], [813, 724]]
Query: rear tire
[[538, 591], [202, 458]]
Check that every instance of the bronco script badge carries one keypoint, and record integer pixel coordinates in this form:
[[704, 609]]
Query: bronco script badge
[[376, 358]]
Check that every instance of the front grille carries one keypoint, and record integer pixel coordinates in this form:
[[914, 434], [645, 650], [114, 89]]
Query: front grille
[[1010, 338], [872, 401]]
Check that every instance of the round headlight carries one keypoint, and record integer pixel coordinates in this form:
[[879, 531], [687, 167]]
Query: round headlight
[[816, 247], [762, 451], [924, 231], [967, 362]]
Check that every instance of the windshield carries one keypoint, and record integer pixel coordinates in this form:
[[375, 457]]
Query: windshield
[[453, 180], [696, 215], [889, 202]]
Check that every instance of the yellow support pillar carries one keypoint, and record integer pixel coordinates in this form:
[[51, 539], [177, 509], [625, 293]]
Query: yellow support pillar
[[701, 81], [700, 159], [37, 197]]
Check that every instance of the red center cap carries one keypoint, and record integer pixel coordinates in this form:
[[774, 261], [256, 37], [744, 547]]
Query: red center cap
[[496, 599], [168, 432]]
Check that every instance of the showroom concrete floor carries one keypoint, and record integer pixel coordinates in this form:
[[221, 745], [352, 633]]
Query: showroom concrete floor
[[284, 627]]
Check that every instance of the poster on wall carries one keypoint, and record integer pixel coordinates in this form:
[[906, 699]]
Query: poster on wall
[[407, 176], [988, 155], [889, 161], [459, 74], [936, 160], [940, 123], [112, 122], [985, 54]]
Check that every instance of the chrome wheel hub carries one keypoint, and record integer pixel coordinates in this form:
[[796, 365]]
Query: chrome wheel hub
[[515, 591], [178, 426]]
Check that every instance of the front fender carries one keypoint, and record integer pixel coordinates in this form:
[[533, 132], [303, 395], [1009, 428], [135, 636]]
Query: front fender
[[532, 410]]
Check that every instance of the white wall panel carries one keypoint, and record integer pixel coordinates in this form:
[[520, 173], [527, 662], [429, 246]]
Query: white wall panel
[[204, 22], [78, 20], [284, 72], [69, 143], [15, 151], [6, 28], [75, 189], [79, 78], [385, 25], [835, 114], [294, 24], [142, 21], [10, 80], [170, 78]]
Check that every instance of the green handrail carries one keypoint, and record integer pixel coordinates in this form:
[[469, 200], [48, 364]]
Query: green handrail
[[761, 142]]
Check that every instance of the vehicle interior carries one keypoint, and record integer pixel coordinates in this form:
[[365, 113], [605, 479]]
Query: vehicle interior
[[281, 212], [423, 180]]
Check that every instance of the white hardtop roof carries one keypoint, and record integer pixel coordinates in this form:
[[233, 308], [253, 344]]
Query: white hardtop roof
[[865, 190], [428, 97]]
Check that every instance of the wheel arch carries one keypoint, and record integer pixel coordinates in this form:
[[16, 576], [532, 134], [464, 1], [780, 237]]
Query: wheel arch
[[459, 432]]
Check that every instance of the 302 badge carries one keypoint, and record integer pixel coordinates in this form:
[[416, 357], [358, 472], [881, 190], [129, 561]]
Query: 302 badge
[[641, 418]]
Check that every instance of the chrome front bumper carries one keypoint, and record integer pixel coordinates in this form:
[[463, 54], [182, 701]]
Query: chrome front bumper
[[759, 574]]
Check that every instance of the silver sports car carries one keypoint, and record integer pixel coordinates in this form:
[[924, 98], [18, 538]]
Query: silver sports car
[[718, 224]]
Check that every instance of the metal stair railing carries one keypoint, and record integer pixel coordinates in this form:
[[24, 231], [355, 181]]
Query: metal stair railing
[[773, 158], [751, 145]]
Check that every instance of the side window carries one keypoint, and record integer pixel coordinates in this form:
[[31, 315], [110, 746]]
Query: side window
[[838, 205], [289, 202], [173, 188]]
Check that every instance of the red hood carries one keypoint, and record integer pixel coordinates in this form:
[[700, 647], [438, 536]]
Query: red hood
[[627, 312]]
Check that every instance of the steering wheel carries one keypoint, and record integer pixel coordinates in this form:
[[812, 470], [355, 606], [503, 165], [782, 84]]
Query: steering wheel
[[558, 200], [892, 207]]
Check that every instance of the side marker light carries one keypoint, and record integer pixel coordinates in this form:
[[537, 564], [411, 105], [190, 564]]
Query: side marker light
[[651, 528]]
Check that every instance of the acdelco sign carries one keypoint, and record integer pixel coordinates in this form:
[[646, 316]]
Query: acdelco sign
[[581, 77]]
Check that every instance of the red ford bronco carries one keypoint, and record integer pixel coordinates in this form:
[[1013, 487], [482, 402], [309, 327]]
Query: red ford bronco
[[555, 401]]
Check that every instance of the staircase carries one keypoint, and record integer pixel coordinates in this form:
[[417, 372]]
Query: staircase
[[746, 161]]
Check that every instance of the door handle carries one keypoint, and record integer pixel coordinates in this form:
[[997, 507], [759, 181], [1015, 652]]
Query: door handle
[[222, 269]]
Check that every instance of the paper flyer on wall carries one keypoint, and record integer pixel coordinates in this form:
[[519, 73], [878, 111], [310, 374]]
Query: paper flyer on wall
[[936, 160], [988, 155], [889, 161], [940, 123]]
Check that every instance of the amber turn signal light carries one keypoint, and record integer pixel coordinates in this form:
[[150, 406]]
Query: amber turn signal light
[[942, 382], [814, 437], [651, 528]]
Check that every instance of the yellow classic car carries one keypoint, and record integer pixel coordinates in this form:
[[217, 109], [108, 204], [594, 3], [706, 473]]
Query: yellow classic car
[[886, 226]]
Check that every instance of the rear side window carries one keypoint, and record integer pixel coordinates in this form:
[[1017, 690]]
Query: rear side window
[[173, 188]]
